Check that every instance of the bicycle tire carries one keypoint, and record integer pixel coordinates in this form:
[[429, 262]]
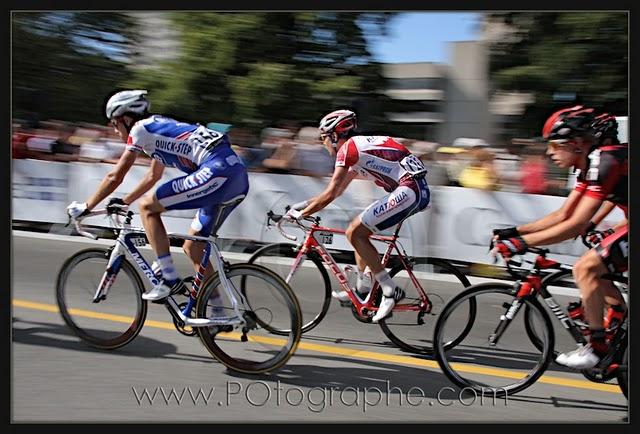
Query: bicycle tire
[[426, 349], [445, 365], [141, 311], [535, 340], [317, 315], [623, 373], [241, 365]]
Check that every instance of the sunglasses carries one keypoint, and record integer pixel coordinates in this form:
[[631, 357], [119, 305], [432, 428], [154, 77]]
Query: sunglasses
[[561, 145]]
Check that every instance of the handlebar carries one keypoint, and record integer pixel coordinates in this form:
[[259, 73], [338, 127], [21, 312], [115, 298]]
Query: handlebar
[[279, 220], [109, 211], [512, 263]]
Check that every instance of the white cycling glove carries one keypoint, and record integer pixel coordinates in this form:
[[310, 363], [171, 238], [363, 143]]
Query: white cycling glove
[[293, 214], [300, 205], [76, 209]]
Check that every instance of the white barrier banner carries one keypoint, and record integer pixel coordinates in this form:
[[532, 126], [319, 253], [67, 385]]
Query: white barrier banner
[[39, 191], [457, 225]]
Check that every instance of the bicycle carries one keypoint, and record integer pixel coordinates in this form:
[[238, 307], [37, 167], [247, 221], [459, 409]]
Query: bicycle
[[405, 326], [95, 286], [528, 360]]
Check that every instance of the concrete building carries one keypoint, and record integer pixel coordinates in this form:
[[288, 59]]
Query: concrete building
[[441, 102]]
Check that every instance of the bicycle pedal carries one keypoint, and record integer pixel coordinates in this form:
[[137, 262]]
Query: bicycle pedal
[[345, 303], [161, 301]]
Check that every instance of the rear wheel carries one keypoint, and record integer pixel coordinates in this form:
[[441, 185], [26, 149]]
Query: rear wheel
[[270, 305], [409, 326]]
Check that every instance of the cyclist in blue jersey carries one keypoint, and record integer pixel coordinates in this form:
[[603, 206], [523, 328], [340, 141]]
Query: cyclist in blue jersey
[[215, 179]]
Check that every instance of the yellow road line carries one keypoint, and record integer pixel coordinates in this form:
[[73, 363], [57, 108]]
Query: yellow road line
[[330, 349]]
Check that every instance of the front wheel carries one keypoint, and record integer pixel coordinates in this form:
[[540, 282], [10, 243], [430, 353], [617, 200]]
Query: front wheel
[[270, 304], [409, 326], [310, 281], [493, 358], [110, 323]]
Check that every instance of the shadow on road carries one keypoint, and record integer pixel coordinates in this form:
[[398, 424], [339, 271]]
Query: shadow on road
[[40, 333], [570, 403], [388, 377]]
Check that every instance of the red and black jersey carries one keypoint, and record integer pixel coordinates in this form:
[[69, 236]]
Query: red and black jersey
[[606, 176]]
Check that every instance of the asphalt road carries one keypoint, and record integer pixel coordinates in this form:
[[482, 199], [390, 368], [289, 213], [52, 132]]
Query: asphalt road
[[343, 370]]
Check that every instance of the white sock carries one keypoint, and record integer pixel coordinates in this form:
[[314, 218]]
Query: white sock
[[386, 283], [364, 282], [168, 270]]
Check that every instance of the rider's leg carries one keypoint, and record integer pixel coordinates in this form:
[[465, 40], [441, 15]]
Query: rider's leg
[[410, 197], [150, 211], [364, 278], [359, 234], [194, 250], [587, 272]]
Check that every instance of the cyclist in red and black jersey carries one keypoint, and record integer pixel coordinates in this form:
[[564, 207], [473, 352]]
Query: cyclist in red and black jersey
[[575, 140]]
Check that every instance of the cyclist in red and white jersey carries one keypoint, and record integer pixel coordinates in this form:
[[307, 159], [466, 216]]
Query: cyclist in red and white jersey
[[575, 140], [389, 165]]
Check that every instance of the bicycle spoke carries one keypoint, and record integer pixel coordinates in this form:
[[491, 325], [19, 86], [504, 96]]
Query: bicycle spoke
[[494, 342]]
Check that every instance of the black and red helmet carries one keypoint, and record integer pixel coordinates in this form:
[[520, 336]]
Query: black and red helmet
[[568, 123], [605, 126]]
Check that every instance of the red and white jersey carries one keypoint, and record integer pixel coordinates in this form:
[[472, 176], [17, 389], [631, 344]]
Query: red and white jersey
[[378, 158]]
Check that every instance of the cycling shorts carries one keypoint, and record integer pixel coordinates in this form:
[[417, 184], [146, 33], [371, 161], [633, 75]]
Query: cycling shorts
[[410, 197], [215, 188], [614, 250]]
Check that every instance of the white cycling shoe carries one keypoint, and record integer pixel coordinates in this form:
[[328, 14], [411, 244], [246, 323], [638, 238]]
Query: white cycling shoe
[[387, 304], [343, 297], [162, 290], [340, 295], [582, 358]]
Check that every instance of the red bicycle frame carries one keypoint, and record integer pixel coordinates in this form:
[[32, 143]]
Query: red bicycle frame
[[312, 243]]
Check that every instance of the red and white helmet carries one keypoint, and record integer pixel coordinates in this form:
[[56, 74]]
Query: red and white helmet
[[339, 121]]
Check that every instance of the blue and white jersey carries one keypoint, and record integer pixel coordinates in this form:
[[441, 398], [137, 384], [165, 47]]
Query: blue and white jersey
[[175, 144]]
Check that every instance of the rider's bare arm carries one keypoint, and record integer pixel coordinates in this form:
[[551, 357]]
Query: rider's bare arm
[[569, 228], [554, 218], [351, 175], [153, 175], [621, 224], [112, 179], [604, 210], [341, 178]]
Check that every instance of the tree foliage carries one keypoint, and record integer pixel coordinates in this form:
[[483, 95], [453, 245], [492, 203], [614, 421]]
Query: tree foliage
[[257, 69], [65, 63], [552, 53]]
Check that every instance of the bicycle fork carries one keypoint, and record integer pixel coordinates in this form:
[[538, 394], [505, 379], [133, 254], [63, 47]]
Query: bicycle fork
[[521, 289], [108, 278]]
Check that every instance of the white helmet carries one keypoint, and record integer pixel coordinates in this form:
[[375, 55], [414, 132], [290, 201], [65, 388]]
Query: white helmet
[[339, 121], [127, 101]]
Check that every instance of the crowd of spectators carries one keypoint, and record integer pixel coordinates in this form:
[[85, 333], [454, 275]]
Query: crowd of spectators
[[518, 166]]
